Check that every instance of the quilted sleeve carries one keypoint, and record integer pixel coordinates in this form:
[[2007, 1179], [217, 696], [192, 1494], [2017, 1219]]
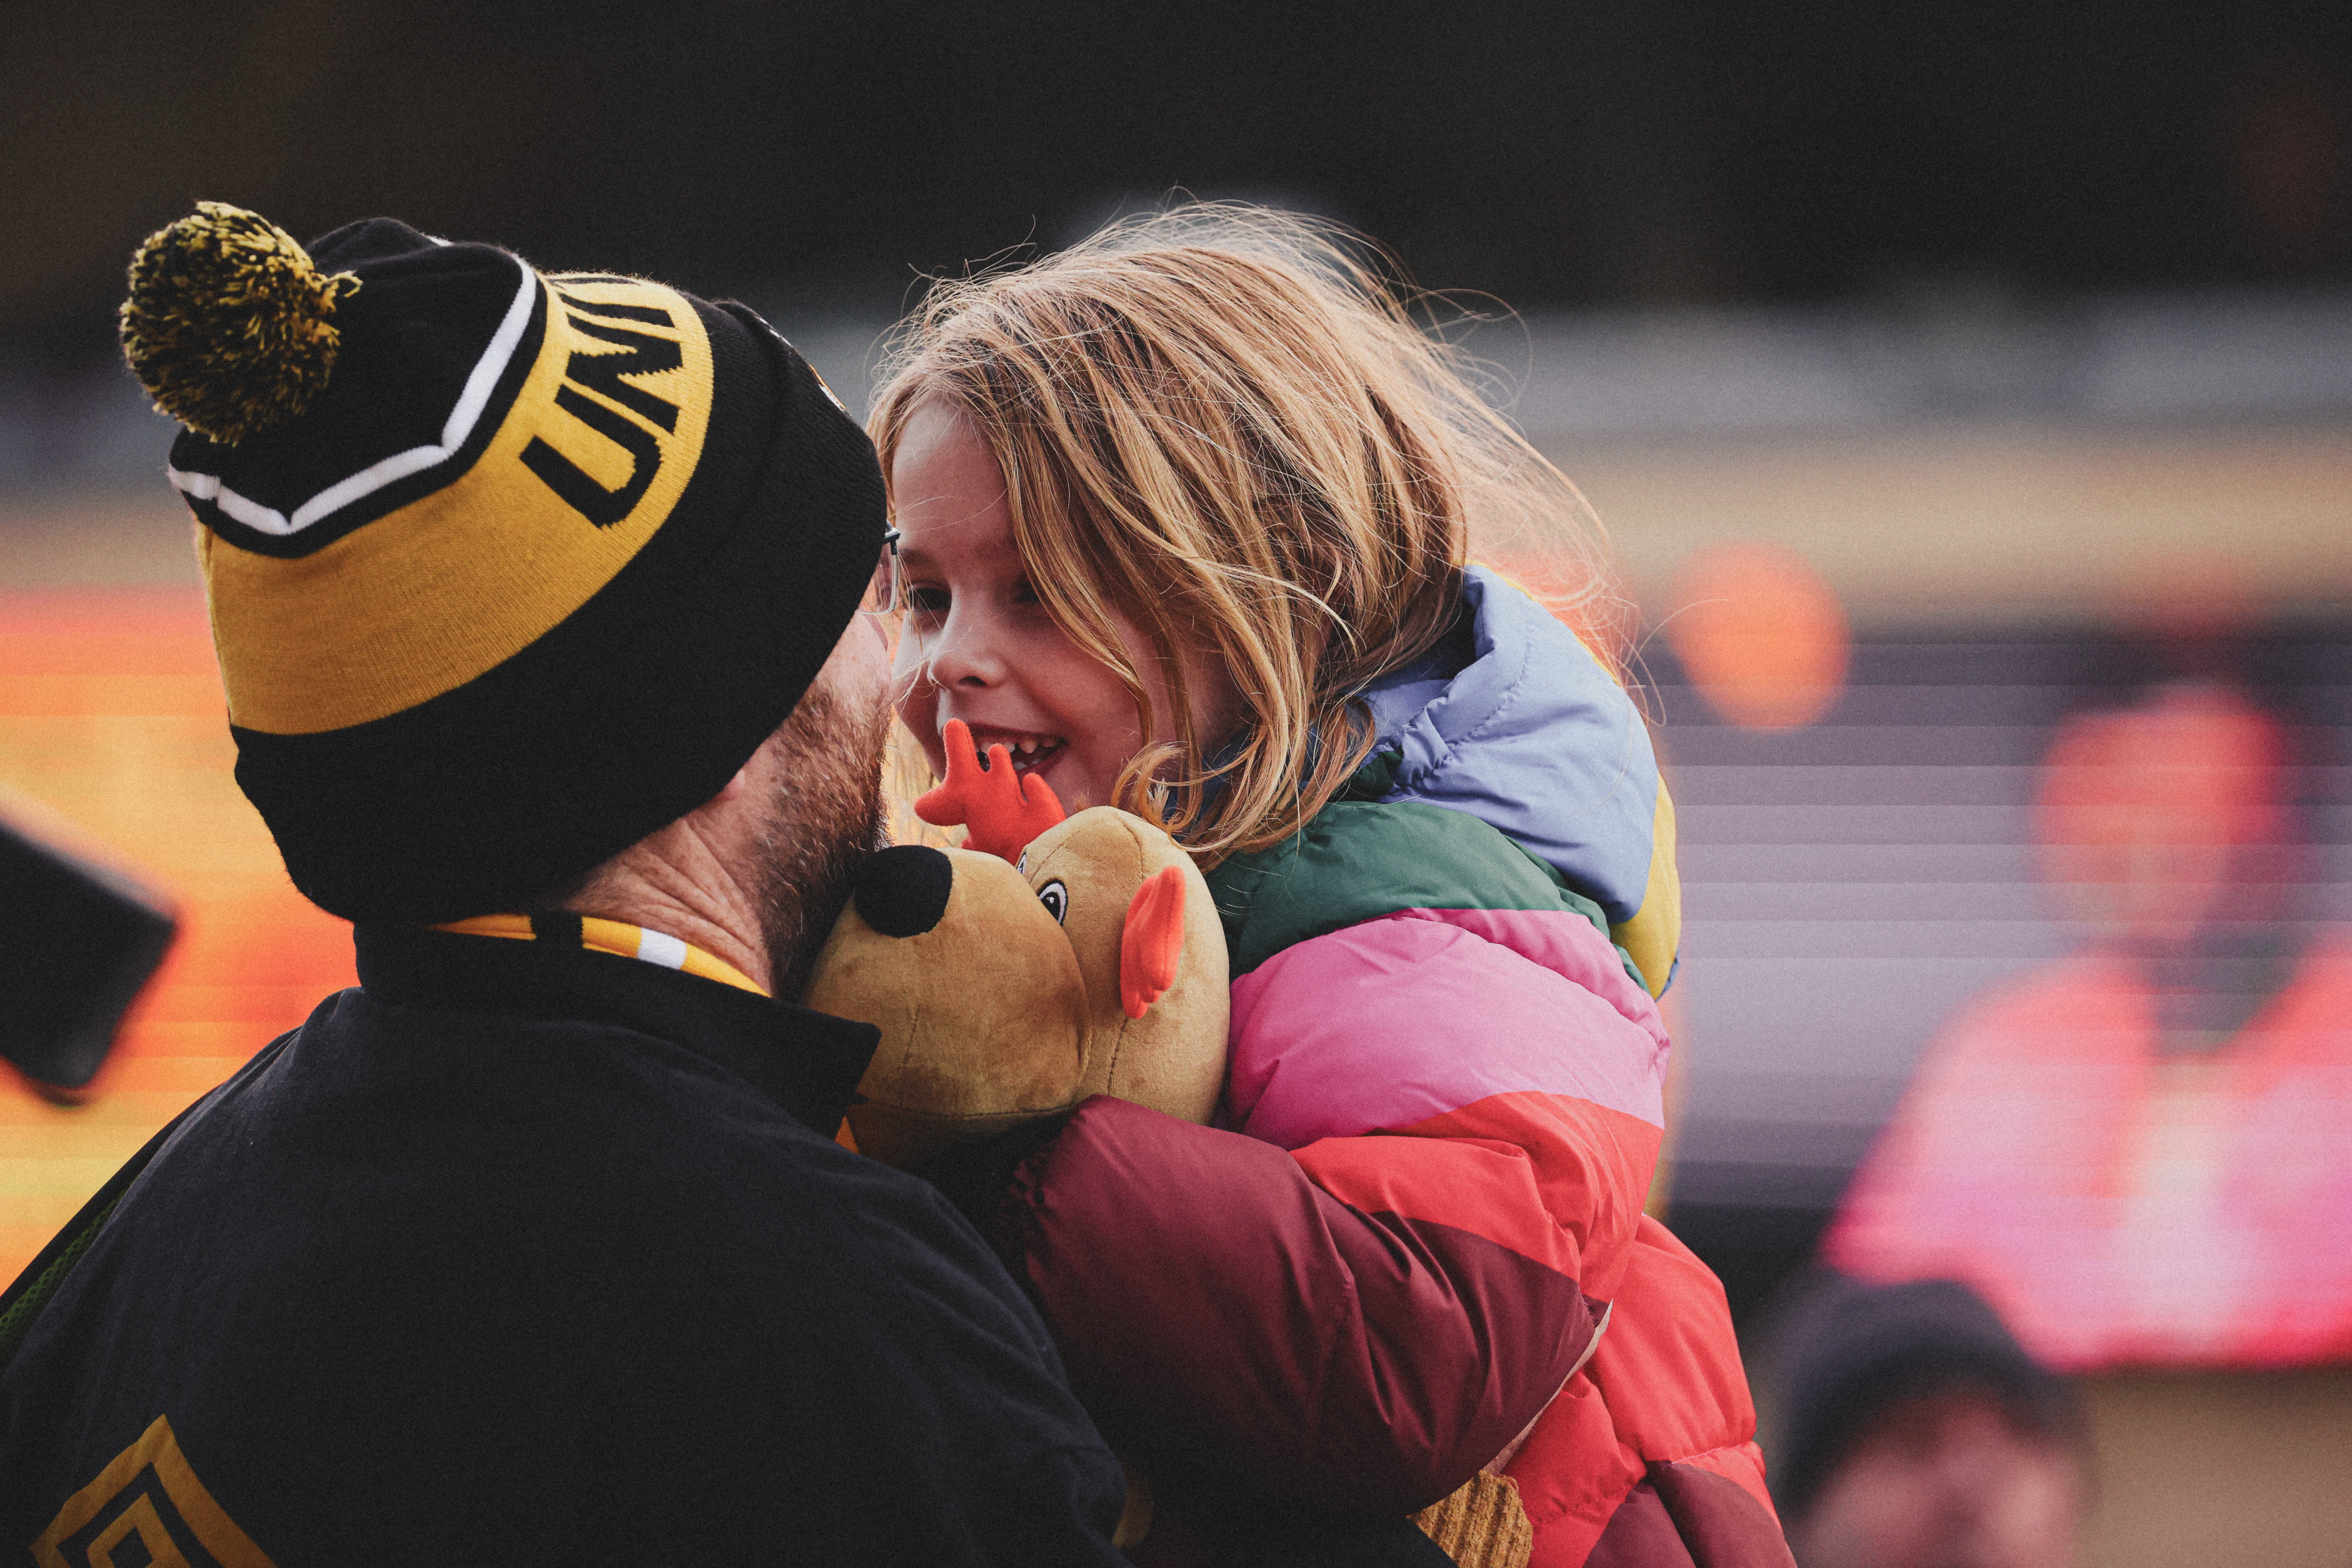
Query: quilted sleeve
[[1447, 1125]]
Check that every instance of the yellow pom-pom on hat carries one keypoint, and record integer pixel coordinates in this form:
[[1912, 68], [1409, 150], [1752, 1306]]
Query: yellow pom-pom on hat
[[228, 325]]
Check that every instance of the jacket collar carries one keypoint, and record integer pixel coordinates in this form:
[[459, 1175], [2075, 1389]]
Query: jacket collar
[[1513, 720], [807, 1062]]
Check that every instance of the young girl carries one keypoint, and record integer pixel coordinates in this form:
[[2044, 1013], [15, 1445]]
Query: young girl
[[1185, 519]]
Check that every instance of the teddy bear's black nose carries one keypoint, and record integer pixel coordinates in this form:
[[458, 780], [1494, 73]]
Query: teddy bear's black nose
[[903, 891]]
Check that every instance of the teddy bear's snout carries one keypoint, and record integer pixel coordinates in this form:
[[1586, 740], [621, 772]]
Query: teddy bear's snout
[[903, 891]]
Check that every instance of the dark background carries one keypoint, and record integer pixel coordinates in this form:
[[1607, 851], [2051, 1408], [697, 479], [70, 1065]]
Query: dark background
[[1580, 155]]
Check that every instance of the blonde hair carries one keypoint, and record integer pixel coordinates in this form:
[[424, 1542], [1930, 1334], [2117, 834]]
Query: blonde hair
[[1223, 422]]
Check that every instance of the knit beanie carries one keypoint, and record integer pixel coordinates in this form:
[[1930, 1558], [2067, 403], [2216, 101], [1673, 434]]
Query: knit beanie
[[1843, 1352], [506, 569]]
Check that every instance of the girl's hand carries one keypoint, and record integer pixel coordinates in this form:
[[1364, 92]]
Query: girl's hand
[[1003, 809]]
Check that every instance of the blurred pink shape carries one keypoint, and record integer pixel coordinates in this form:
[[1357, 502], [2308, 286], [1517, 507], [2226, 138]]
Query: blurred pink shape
[[2118, 1202]]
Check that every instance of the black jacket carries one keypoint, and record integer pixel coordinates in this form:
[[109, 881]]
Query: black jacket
[[522, 1253]]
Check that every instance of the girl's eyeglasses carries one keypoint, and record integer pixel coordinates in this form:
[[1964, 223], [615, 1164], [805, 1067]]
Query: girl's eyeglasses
[[882, 593]]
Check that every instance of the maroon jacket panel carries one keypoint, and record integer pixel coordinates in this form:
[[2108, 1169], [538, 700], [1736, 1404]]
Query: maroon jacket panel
[[1685, 1517], [1214, 1305]]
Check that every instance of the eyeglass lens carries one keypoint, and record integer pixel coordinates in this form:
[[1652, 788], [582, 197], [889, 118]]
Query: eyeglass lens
[[882, 595]]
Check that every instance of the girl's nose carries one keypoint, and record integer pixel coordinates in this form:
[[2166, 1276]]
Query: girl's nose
[[962, 654]]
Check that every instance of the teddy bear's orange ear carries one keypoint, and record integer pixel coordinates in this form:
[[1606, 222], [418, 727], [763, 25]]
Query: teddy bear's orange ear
[[1153, 940]]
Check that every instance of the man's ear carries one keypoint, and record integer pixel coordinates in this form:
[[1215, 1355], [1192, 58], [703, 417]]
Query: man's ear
[[1152, 944]]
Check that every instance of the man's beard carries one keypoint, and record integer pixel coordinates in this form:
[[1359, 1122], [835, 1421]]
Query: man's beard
[[824, 822]]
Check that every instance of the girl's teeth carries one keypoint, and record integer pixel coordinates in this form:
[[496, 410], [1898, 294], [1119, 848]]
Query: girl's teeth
[[1025, 747]]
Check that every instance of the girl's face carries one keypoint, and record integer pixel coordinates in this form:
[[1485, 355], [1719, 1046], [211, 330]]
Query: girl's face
[[977, 644]]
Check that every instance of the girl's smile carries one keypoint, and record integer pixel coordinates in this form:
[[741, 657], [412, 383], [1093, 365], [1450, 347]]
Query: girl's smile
[[978, 644], [1029, 754]]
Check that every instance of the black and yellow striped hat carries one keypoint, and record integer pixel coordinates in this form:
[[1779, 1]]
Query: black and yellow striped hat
[[506, 569]]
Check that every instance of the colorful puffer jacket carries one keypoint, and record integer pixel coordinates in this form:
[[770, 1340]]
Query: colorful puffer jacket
[[1416, 1248]]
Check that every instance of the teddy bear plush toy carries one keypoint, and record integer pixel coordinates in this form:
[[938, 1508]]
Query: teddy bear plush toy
[[1049, 959]]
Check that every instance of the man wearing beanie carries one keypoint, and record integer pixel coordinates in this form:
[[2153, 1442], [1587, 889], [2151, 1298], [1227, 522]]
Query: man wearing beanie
[[1910, 1430], [536, 602]]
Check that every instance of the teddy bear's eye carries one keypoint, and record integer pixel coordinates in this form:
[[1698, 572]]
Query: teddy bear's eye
[[1057, 899]]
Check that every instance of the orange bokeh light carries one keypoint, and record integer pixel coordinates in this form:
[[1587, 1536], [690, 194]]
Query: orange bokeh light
[[113, 726], [1761, 636]]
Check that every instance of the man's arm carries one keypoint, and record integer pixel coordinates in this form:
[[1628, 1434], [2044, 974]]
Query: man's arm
[[989, 1458]]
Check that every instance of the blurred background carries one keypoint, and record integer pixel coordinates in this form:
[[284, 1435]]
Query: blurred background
[[1966, 388]]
